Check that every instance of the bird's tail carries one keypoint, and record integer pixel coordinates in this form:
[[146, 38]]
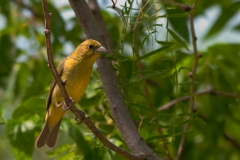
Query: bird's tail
[[48, 137]]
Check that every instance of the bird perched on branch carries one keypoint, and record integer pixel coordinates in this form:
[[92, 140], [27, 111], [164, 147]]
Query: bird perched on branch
[[76, 70]]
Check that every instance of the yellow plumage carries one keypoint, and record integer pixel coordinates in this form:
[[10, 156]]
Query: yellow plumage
[[76, 69]]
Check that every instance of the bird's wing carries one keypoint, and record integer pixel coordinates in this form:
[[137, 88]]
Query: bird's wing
[[53, 84]]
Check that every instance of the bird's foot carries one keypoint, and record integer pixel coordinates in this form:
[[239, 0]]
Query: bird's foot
[[65, 106]]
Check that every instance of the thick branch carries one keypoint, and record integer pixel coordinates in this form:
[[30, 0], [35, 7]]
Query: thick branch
[[110, 85]]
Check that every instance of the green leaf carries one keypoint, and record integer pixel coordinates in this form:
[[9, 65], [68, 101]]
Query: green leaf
[[180, 24], [145, 38], [21, 77], [142, 107], [139, 93], [79, 139], [178, 39], [184, 122], [22, 137], [153, 52], [160, 151], [182, 133], [158, 137], [110, 153], [182, 68], [151, 123], [116, 57], [149, 71], [32, 107], [178, 15], [191, 82], [153, 25], [165, 43], [149, 76], [200, 120]]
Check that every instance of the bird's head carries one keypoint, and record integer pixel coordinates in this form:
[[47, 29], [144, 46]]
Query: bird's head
[[90, 49]]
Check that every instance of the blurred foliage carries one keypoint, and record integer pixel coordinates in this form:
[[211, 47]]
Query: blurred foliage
[[152, 64]]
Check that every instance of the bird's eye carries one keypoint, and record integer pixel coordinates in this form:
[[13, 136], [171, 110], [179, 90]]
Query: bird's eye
[[90, 46]]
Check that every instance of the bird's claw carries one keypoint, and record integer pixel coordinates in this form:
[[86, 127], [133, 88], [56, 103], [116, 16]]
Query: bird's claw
[[65, 106]]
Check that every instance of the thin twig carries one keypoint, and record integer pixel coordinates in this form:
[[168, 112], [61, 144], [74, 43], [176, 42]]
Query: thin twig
[[67, 100], [232, 141], [196, 57], [114, 4], [138, 17], [192, 76], [211, 92]]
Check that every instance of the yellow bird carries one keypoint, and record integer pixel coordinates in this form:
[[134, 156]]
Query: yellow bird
[[76, 69]]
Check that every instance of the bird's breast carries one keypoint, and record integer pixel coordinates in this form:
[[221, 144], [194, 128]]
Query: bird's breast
[[78, 76]]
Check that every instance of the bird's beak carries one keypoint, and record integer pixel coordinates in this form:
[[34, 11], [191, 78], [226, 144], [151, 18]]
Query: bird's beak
[[101, 50]]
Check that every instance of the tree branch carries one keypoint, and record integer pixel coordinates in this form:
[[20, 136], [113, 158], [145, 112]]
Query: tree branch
[[110, 85], [211, 92], [192, 76], [67, 100], [109, 80], [105, 141]]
